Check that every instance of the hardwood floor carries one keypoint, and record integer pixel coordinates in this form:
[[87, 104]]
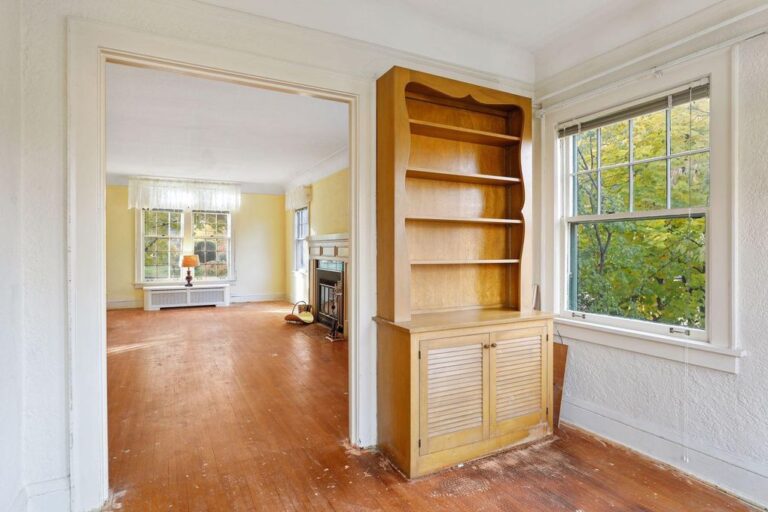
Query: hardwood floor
[[233, 410]]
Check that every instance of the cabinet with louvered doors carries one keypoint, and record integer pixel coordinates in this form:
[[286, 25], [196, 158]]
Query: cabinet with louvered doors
[[453, 392], [518, 379]]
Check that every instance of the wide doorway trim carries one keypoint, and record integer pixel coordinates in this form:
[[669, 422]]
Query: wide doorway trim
[[90, 47]]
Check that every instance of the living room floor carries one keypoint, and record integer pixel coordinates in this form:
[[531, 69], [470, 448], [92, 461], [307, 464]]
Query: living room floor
[[232, 409]]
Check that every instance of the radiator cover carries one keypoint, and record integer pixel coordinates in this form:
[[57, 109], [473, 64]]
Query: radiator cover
[[158, 297]]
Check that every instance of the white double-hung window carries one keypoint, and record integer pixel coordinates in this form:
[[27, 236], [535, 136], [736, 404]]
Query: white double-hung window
[[165, 235], [637, 214], [162, 240], [300, 239], [212, 241]]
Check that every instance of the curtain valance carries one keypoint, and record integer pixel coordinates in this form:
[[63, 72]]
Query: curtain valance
[[170, 194], [298, 197]]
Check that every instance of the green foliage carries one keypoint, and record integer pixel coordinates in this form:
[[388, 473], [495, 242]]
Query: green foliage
[[650, 269], [646, 270]]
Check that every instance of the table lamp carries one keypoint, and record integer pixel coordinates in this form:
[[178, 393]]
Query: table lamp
[[190, 261]]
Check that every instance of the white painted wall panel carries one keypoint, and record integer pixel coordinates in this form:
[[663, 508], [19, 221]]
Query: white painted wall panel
[[704, 421], [44, 186], [11, 369]]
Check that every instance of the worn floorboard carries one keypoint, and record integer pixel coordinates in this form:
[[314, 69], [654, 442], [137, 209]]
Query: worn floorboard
[[231, 409]]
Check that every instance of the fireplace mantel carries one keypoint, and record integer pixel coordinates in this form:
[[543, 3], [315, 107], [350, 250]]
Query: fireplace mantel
[[333, 247]]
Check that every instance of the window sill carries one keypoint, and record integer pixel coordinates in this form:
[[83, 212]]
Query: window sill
[[664, 347], [180, 283]]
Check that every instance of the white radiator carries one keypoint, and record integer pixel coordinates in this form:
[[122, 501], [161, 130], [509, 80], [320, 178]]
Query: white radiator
[[157, 297]]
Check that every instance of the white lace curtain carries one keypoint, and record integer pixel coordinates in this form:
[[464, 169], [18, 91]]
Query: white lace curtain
[[152, 193]]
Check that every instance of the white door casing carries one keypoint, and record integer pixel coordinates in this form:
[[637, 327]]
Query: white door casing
[[90, 48]]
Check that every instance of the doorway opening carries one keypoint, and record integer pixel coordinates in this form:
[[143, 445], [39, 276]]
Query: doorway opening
[[208, 383]]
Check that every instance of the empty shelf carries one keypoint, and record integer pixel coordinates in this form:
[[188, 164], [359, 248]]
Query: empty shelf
[[450, 132], [482, 179]]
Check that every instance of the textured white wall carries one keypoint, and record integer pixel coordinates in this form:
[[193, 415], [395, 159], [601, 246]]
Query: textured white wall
[[44, 188], [725, 413], [10, 292], [719, 417]]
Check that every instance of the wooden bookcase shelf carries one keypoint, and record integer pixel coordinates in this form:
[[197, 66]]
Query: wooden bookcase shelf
[[462, 262], [463, 363], [458, 133], [459, 177], [468, 220]]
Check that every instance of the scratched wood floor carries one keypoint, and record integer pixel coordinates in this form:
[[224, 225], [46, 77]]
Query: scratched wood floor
[[233, 410]]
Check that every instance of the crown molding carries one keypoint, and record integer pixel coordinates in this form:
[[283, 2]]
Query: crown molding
[[333, 163], [719, 26]]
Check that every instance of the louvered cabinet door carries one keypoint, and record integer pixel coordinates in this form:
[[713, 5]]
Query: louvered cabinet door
[[453, 394], [517, 379]]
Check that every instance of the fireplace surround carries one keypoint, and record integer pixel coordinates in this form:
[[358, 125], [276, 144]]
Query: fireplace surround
[[328, 271]]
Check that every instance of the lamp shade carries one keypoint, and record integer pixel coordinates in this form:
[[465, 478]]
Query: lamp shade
[[190, 260]]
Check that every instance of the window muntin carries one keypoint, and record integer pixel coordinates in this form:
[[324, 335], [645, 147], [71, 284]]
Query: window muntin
[[162, 241], [300, 234], [211, 238], [637, 216]]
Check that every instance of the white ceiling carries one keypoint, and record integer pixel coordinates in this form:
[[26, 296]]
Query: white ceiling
[[171, 125], [485, 34]]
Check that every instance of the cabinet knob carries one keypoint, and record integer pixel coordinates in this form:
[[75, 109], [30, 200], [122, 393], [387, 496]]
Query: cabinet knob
[[486, 346], [493, 345]]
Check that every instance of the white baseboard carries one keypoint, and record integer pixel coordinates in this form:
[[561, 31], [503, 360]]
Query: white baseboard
[[259, 297], [124, 304], [48, 496], [744, 479]]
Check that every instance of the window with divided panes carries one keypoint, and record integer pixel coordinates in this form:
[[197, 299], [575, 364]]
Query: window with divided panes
[[637, 212], [212, 243], [168, 234], [163, 239], [300, 246]]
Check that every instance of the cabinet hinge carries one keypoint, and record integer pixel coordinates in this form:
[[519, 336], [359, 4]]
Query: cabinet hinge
[[547, 336], [419, 443], [419, 354]]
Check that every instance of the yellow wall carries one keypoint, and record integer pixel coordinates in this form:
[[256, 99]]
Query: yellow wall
[[121, 251], [259, 247], [259, 239], [328, 214], [329, 208]]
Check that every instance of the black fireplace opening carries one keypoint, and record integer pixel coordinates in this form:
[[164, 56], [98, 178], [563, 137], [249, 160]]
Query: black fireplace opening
[[330, 297]]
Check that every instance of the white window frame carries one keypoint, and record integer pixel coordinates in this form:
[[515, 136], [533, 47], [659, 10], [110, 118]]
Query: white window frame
[[187, 248], [719, 347], [140, 239], [230, 245], [571, 218], [300, 244]]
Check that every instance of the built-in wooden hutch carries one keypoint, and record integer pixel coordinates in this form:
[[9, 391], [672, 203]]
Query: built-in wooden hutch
[[464, 363]]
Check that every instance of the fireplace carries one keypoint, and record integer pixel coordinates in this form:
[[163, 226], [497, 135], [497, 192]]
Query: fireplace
[[328, 269], [329, 279]]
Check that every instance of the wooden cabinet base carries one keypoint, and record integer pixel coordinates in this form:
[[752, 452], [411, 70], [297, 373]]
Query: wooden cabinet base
[[473, 386], [435, 462]]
